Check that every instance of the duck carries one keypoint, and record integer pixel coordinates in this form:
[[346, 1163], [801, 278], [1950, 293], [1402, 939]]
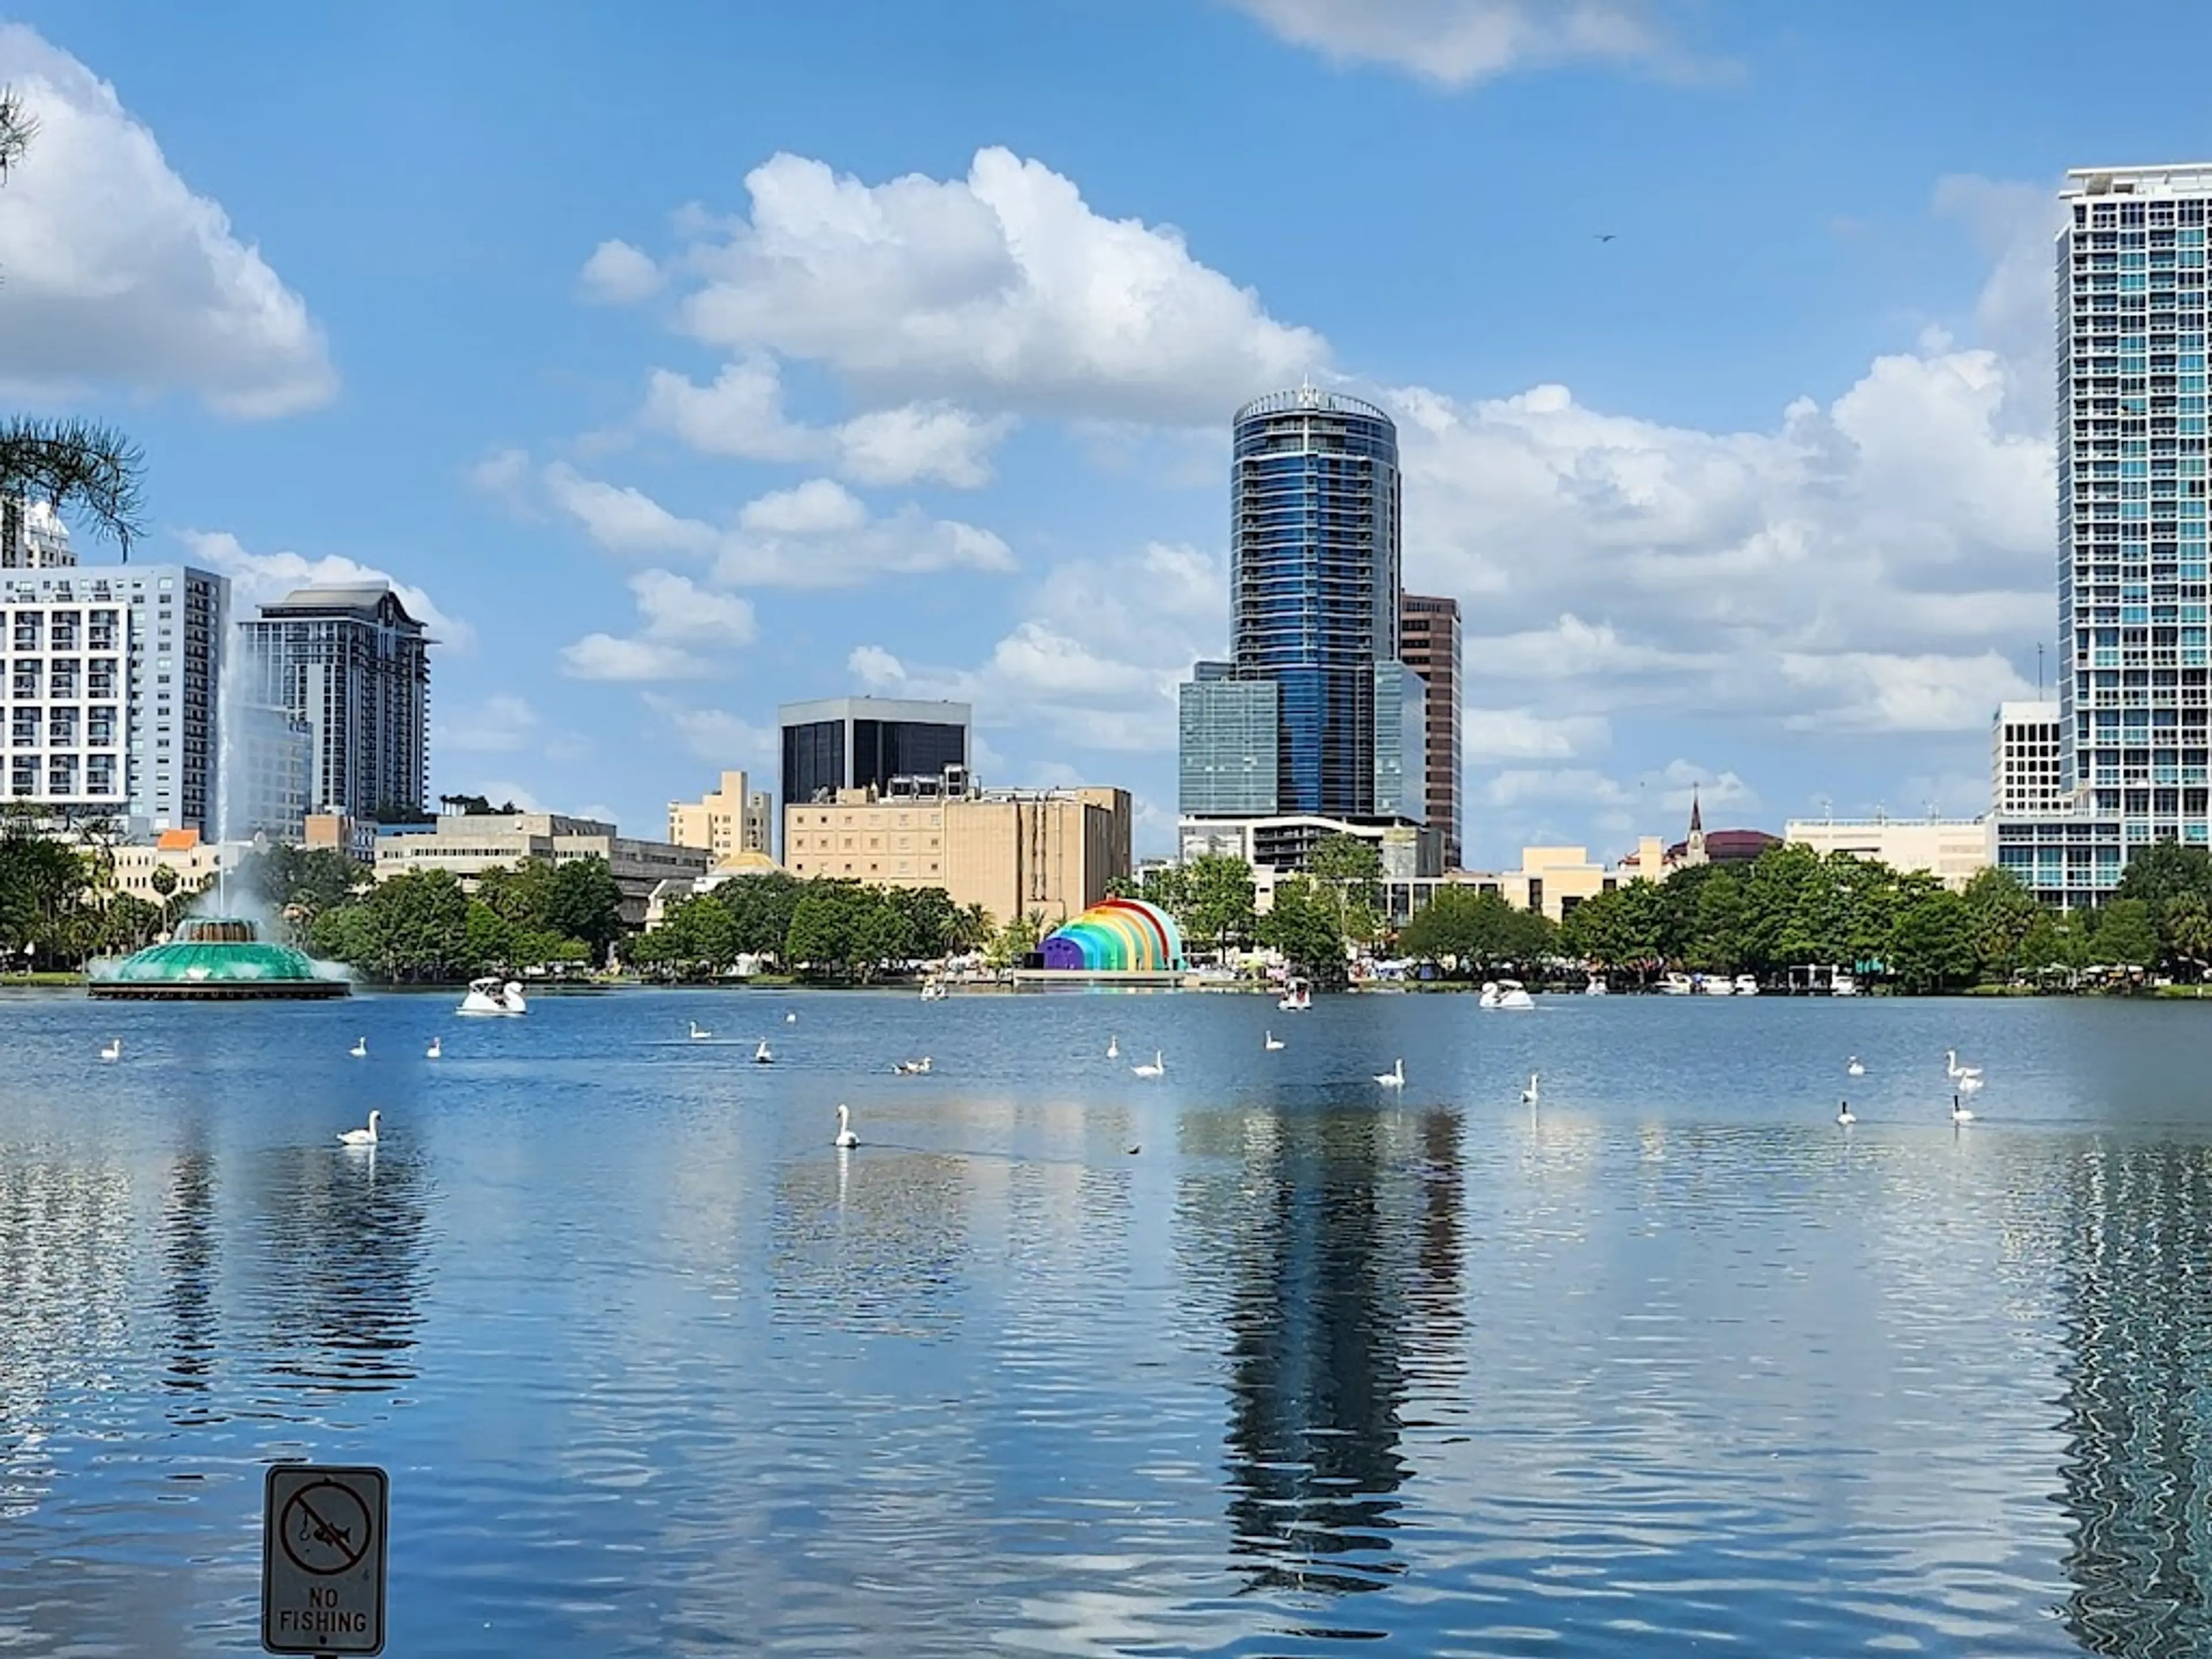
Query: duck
[[700, 1033], [114, 1050], [1528, 1094], [1854, 1067], [361, 1137], [1272, 1043], [1959, 1114], [1157, 1068], [436, 1050], [1844, 1113], [1113, 1048], [360, 1049], [1393, 1078], [846, 1138], [761, 1055], [913, 1067]]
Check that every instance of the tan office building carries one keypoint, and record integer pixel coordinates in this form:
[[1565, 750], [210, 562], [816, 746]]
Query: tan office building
[[1014, 852], [470, 844], [725, 821], [1956, 850]]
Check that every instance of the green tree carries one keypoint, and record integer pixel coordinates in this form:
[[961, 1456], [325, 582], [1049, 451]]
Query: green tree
[[300, 883], [2186, 931], [1302, 924], [412, 929], [1014, 941], [1931, 947], [1718, 930], [1349, 870], [1474, 929], [1218, 908], [1622, 928], [583, 901], [2125, 936], [2000, 915], [2163, 872]]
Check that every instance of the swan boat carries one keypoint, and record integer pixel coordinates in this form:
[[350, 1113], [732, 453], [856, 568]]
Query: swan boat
[[490, 996], [1508, 993]]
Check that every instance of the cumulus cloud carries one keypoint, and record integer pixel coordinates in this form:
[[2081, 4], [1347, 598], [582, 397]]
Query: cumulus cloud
[[498, 724], [1003, 291], [1520, 734], [680, 626], [741, 415], [117, 274], [716, 735], [618, 274], [1870, 691], [1455, 43], [260, 578]]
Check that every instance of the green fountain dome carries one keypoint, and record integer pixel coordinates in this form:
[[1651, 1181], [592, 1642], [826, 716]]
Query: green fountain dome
[[217, 958]]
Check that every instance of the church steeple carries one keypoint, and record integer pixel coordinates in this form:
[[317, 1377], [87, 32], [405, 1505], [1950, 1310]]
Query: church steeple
[[1696, 818], [1693, 850]]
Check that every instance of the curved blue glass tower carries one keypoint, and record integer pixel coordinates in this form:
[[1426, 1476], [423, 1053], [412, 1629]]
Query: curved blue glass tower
[[1314, 583]]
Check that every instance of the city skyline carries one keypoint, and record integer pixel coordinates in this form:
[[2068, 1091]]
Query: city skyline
[[655, 449]]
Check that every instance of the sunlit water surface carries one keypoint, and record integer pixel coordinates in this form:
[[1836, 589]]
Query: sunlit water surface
[[1256, 1359]]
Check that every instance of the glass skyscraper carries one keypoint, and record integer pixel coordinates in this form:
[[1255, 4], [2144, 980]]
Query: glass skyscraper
[[1339, 732]]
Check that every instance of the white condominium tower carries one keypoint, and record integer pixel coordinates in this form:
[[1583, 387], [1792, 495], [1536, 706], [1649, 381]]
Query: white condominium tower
[[2131, 509]]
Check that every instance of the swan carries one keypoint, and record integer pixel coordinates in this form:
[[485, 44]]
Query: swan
[[1844, 1113], [1528, 1094], [1969, 1082], [360, 1049], [1393, 1078], [436, 1050], [1273, 1042], [913, 1067], [1157, 1068], [1959, 1113], [1113, 1048], [1855, 1067], [114, 1050], [791, 1019], [846, 1138], [699, 1033], [361, 1137], [1952, 1068], [761, 1055]]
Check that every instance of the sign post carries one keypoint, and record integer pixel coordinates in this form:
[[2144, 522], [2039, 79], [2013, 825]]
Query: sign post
[[322, 1559]]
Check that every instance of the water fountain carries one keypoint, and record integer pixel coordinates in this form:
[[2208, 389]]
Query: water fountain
[[216, 958]]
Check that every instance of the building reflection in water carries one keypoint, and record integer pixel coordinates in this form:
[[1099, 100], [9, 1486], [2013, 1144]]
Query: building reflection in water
[[188, 1262], [2138, 1479], [1344, 1267]]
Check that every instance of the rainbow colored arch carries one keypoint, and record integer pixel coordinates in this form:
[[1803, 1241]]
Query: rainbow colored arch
[[1119, 936]]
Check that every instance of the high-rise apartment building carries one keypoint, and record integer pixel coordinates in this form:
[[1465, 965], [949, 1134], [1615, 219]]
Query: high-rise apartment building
[[1314, 618], [111, 692], [732, 819], [353, 664], [863, 743], [2027, 772], [32, 536], [1428, 642]]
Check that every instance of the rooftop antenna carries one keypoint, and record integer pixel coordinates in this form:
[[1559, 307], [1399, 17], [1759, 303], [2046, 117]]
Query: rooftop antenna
[[2039, 670]]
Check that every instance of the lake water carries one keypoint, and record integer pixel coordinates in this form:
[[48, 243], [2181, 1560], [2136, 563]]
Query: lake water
[[1670, 1362]]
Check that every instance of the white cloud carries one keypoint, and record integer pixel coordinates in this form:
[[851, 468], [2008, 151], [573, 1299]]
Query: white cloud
[[623, 520], [618, 274], [1504, 734], [1454, 43], [117, 273], [498, 724], [719, 736], [259, 577], [607, 657], [1868, 691], [820, 507], [875, 667], [1002, 291], [678, 620], [741, 415]]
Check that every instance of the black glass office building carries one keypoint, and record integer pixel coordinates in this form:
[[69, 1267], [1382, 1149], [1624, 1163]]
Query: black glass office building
[[861, 743]]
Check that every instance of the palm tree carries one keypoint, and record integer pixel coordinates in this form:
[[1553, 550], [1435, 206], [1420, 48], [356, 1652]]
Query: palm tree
[[80, 467]]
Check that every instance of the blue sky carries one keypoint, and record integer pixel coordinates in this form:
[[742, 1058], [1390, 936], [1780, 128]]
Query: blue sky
[[684, 359]]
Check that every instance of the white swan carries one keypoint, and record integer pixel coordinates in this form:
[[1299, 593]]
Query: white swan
[[436, 1050], [114, 1050], [846, 1138], [1959, 1113], [1970, 1082], [1844, 1113], [913, 1067], [1528, 1094], [761, 1055], [361, 1137], [1113, 1048], [1952, 1067], [1854, 1067], [791, 1019], [1393, 1078], [360, 1049], [1273, 1042], [1157, 1068], [699, 1033]]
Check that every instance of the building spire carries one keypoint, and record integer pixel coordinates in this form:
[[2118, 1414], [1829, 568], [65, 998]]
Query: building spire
[[1696, 818]]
